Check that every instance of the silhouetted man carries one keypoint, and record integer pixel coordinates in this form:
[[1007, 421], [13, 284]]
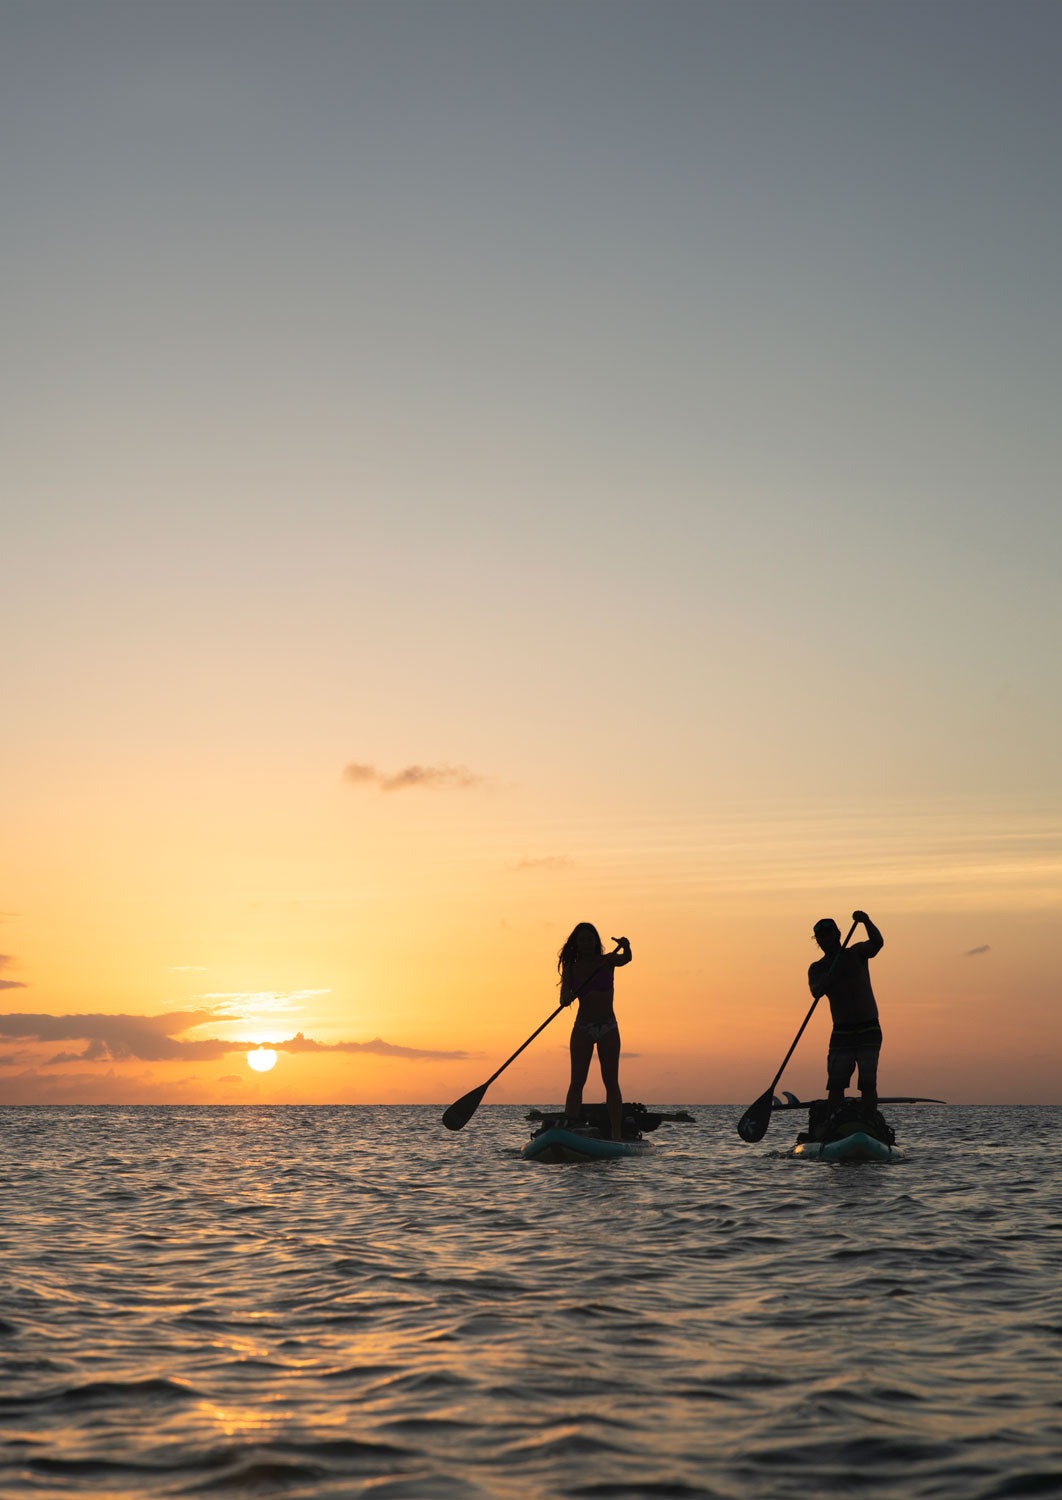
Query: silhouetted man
[[844, 976]]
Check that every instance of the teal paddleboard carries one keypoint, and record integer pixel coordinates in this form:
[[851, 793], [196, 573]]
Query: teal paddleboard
[[855, 1147], [558, 1144]]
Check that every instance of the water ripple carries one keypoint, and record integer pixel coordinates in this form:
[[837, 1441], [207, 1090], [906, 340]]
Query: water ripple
[[341, 1302]]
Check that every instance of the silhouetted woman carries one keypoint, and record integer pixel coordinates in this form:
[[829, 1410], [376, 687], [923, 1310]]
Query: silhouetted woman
[[587, 974]]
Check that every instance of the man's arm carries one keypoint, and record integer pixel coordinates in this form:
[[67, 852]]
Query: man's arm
[[875, 941]]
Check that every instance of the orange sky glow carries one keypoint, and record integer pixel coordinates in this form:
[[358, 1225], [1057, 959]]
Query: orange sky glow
[[446, 501], [416, 949]]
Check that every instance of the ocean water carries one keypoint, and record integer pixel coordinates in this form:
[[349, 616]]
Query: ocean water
[[342, 1302]]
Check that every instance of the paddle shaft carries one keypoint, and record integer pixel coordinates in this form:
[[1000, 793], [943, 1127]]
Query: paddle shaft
[[519, 1049], [811, 1012]]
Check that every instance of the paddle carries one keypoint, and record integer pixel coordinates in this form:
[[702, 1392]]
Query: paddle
[[462, 1110], [753, 1123]]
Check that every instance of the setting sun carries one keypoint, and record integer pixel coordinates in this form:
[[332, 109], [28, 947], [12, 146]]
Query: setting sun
[[262, 1060]]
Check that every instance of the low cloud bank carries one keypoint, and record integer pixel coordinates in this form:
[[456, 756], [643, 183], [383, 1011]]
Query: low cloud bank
[[119, 1038]]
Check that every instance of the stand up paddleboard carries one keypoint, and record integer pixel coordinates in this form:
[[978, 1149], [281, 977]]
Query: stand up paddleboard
[[590, 1139]]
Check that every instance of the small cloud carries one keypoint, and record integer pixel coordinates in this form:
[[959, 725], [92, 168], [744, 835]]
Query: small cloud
[[975, 952], [16, 1059], [9, 984], [428, 776], [230, 1078], [300, 1043], [544, 862], [458, 776], [357, 773], [187, 969]]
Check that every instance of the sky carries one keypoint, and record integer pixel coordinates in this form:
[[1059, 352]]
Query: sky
[[471, 467]]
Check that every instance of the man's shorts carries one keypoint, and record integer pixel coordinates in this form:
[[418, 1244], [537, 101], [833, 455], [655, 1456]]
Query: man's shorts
[[853, 1047]]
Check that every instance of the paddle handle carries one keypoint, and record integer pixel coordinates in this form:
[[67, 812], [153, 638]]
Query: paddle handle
[[811, 1012]]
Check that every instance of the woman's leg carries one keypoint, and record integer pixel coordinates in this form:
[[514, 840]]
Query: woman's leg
[[608, 1056], [582, 1050]]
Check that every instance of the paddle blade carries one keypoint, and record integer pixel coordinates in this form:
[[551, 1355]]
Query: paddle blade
[[753, 1124], [462, 1110]]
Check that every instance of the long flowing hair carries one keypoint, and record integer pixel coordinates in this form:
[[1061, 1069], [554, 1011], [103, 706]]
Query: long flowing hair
[[568, 954]]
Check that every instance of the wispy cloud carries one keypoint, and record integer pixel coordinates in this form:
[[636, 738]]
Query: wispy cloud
[[16, 1059], [9, 984], [237, 1005], [543, 862], [459, 777], [974, 952], [119, 1038]]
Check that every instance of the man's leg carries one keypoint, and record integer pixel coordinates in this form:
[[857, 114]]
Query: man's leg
[[868, 1074], [840, 1063]]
